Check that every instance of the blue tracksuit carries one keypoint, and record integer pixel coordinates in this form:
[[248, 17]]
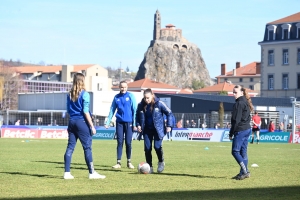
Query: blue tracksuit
[[125, 119], [79, 128], [153, 127]]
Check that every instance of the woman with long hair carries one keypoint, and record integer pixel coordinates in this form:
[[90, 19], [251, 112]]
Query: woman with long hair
[[150, 123], [240, 130], [80, 126]]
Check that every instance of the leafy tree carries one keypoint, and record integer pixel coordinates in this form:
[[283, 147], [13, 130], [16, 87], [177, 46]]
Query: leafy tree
[[9, 87], [196, 84], [224, 93]]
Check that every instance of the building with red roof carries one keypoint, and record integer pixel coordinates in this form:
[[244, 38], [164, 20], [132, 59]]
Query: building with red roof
[[57, 78], [247, 76], [220, 87], [157, 87]]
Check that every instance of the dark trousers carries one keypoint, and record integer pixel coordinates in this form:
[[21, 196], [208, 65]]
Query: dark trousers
[[79, 129], [169, 133], [239, 149], [124, 129], [149, 135]]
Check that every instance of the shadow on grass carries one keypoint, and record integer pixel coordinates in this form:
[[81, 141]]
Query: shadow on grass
[[289, 192], [34, 175], [190, 175], [62, 163]]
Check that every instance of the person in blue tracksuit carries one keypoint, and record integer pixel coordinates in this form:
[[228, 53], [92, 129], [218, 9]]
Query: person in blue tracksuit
[[80, 127], [150, 122], [240, 130], [169, 134], [125, 104]]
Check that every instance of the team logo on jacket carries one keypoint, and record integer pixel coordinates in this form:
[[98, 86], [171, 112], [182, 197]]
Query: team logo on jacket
[[127, 98], [156, 109]]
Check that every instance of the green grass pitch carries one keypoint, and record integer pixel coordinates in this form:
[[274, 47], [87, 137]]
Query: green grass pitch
[[33, 169]]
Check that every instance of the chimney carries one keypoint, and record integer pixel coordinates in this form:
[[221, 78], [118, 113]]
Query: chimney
[[237, 65], [234, 72], [257, 68], [223, 69]]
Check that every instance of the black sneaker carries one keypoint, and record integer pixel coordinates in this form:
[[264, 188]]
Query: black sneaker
[[235, 177], [243, 176]]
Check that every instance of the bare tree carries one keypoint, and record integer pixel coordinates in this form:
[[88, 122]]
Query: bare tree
[[9, 87]]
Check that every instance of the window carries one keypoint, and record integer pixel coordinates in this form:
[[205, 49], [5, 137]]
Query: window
[[241, 79], [271, 57], [298, 81], [270, 82], [271, 32], [298, 30], [285, 81], [251, 87], [285, 34], [251, 79], [271, 35], [99, 86], [225, 79], [96, 74], [298, 56], [286, 28], [285, 56]]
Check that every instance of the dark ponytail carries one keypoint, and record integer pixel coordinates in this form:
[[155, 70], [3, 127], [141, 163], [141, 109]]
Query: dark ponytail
[[245, 93]]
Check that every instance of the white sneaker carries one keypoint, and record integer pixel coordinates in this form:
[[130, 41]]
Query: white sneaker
[[95, 175], [161, 167], [151, 170], [117, 166], [68, 175], [130, 166]]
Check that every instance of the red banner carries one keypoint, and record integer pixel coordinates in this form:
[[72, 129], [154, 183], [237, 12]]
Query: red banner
[[34, 133]]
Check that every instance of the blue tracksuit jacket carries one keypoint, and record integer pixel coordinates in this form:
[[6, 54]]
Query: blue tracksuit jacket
[[126, 108]]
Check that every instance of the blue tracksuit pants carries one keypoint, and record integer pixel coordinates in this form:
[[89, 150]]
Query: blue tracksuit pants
[[124, 130], [79, 129], [149, 135], [239, 149]]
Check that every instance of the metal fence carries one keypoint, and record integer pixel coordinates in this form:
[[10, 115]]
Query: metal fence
[[61, 118], [41, 118]]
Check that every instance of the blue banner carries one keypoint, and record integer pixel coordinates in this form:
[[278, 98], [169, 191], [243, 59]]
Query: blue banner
[[274, 137], [104, 134]]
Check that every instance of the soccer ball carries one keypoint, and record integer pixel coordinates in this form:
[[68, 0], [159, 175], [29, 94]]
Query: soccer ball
[[144, 168]]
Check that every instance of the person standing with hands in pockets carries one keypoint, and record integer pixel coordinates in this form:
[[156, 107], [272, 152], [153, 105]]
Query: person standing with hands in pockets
[[150, 122], [240, 130], [80, 126], [125, 104]]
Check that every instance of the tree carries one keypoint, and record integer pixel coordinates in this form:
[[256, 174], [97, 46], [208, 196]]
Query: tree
[[196, 84], [9, 87], [224, 93], [221, 114]]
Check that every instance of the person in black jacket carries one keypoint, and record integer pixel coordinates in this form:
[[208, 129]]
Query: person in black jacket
[[240, 129], [150, 123]]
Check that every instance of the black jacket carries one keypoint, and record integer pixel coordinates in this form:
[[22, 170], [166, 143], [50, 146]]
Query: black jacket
[[240, 118]]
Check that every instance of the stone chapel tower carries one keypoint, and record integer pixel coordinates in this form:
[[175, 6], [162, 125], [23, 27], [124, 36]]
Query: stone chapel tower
[[157, 26]]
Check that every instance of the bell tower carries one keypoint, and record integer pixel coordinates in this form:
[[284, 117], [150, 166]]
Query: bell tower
[[157, 25]]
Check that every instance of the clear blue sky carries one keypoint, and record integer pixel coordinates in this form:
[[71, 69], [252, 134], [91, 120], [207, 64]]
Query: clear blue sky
[[110, 32]]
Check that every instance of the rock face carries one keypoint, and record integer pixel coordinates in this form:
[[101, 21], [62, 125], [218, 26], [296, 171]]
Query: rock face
[[174, 63], [172, 59]]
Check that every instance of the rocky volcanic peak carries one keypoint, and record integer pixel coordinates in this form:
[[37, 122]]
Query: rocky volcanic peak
[[174, 63]]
